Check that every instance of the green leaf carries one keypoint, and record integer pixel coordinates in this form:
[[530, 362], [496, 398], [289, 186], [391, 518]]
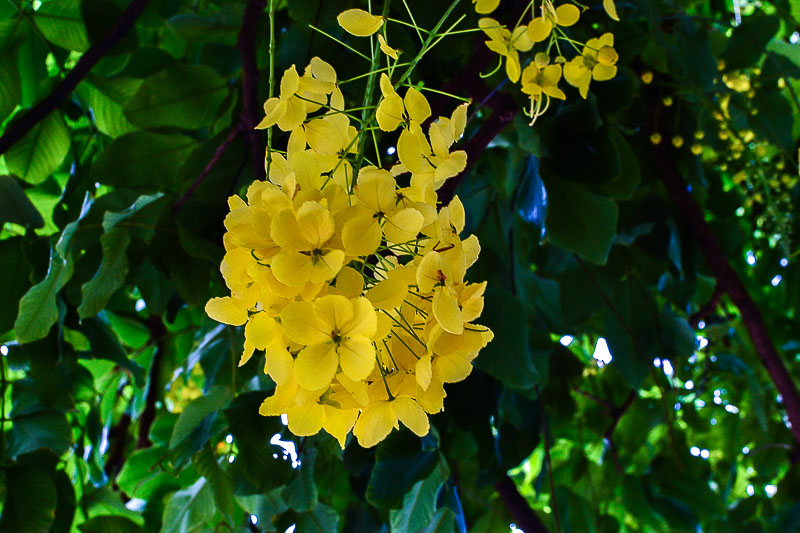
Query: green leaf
[[105, 97], [419, 503], [623, 186], [189, 509], [301, 493], [146, 473], [749, 40], [15, 206], [14, 280], [193, 415], [142, 160], [110, 276], [183, 96], [104, 344], [264, 506], [31, 505], [400, 461], [40, 152], [508, 357], [581, 221], [61, 23], [112, 218], [444, 521], [110, 524], [65, 510], [321, 519], [11, 88], [206, 464], [35, 431], [221, 27], [37, 309], [630, 330]]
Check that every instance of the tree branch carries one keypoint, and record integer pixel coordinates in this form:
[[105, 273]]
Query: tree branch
[[158, 333], [248, 119], [220, 150], [84, 65], [616, 415], [524, 517], [728, 281]]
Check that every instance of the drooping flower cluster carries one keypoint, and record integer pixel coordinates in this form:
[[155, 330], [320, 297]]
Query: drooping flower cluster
[[351, 280], [595, 60]]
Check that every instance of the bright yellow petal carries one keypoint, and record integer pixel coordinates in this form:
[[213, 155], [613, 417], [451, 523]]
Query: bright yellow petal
[[539, 29], [411, 153], [447, 311], [294, 116], [452, 368], [417, 105], [357, 357], [567, 15], [376, 189], [388, 294], [316, 224], [290, 83], [279, 364], [603, 73], [323, 135], [403, 225], [429, 272], [350, 283], [302, 325], [521, 40], [361, 235], [364, 321], [225, 311], [326, 266], [274, 109], [375, 423], [386, 49], [424, 371], [359, 22], [484, 7], [611, 9], [316, 365], [292, 268], [339, 422], [513, 68], [285, 231], [305, 420], [411, 415]]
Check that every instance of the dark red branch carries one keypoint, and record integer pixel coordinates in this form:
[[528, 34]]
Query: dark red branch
[[84, 65], [250, 108], [728, 281], [158, 333], [521, 512], [220, 150]]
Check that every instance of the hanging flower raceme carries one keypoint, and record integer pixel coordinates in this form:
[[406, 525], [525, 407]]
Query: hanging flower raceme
[[353, 287]]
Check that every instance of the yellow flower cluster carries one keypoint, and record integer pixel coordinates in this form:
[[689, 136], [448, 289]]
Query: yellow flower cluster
[[353, 288], [595, 60]]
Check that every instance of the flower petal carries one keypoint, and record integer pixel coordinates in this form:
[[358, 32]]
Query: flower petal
[[316, 365], [359, 22], [225, 311]]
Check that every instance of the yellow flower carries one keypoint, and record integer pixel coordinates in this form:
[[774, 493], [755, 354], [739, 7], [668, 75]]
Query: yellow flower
[[611, 9], [307, 245], [597, 61], [507, 44], [379, 418], [287, 111], [335, 331], [564, 15], [359, 22], [377, 191], [411, 110], [540, 81]]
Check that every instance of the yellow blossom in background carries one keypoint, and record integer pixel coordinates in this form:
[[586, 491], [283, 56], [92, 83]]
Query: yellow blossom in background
[[484, 7], [507, 44], [353, 287], [597, 62]]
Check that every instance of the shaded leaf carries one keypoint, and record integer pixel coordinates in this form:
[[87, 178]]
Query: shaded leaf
[[61, 23], [15, 206], [40, 152], [189, 509]]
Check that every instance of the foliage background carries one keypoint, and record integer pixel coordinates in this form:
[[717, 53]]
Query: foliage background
[[123, 409]]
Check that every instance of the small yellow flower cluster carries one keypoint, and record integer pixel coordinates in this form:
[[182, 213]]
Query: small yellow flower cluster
[[353, 288], [595, 60]]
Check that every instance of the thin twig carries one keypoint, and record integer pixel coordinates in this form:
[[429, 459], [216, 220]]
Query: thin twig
[[616, 416], [217, 154], [248, 119], [74, 77], [524, 517]]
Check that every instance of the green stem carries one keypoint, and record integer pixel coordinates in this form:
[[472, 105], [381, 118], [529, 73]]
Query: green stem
[[271, 76]]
